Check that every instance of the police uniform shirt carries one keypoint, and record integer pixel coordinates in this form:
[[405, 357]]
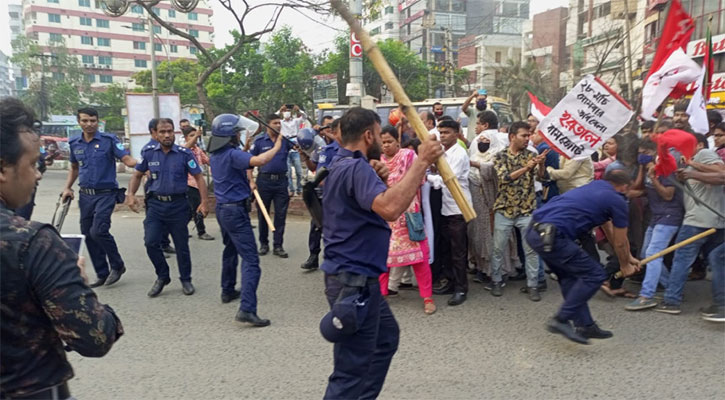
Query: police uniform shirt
[[582, 209], [356, 238], [278, 164], [168, 170], [229, 170], [96, 160], [326, 155]]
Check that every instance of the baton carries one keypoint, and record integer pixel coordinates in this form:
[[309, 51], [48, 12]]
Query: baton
[[670, 249], [264, 210], [63, 212], [264, 124], [388, 76]]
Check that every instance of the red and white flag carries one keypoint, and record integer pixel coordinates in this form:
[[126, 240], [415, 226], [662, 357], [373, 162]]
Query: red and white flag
[[697, 109], [538, 109]]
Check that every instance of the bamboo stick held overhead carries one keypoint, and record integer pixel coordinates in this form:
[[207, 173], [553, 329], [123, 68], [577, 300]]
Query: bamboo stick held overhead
[[387, 75]]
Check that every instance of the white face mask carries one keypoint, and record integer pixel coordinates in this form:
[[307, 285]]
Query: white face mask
[[286, 114]]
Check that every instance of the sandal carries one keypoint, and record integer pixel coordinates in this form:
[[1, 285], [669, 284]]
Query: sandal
[[428, 306]]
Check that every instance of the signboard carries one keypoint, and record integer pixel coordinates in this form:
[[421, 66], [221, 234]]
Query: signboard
[[356, 49], [696, 48], [140, 110], [403, 4], [584, 119], [412, 18], [353, 90]]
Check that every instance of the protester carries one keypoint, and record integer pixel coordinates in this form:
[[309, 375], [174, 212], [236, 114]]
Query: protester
[[719, 140], [609, 155], [291, 123], [481, 96], [714, 118], [681, 119], [191, 137]]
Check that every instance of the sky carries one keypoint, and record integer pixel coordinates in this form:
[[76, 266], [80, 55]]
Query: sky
[[317, 32]]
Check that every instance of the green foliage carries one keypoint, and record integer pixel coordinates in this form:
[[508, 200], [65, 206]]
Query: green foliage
[[516, 79], [110, 104], [178, 76]]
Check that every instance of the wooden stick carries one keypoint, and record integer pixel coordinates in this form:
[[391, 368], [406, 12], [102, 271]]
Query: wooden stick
[[672, 248], [264, 210], [387, 75]]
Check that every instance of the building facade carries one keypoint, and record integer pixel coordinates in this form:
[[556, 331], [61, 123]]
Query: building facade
[[544, 42], [15, 19], [384, 22], [111, 49], [6, 82]]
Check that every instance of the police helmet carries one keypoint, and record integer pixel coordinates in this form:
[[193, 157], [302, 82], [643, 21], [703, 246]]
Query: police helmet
[[306, 138]]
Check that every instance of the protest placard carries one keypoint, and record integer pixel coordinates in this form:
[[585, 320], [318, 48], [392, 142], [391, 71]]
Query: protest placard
[[584, 119]]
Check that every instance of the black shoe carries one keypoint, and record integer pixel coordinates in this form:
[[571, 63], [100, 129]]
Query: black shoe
[[520, 276], [252, 318], [311, 263], [158, 287], [457, 299], [566, 329], [279, 252], [264, 250], [228, 297], [206, 236], [496, 288], [392, 293], [168, 249], [115, 276], [406, 286], [187, 287], [593, 331], [542, 286], [98, 282], [445, 289], [481, 277], [532, 292]]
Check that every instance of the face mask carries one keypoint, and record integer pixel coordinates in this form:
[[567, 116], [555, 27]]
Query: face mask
[[286, 114], [481, 105], [483, 147], [438, 113], [644, 159]]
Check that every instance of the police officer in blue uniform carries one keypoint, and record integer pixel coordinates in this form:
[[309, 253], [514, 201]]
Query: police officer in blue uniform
[[357, 203], [332, 135], [272, 185], [93, 157], [165, 241], [229, 165], [167, 209]]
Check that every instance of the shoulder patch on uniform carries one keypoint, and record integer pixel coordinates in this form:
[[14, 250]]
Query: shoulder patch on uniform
[[192, 164], [119, 145]]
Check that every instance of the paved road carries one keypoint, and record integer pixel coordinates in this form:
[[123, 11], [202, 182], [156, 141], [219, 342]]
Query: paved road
[[180, 346]]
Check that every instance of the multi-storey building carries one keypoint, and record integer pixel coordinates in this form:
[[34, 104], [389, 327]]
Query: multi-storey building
[[6, 83], [15, 20], [544, 42], [383, 22], [112, 49]]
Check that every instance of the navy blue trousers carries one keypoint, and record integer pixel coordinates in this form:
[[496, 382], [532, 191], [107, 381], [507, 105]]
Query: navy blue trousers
[[238, 238], [314, 239], [580, 276], [272, 191], [363, 359], [96, 213], [163, 218]]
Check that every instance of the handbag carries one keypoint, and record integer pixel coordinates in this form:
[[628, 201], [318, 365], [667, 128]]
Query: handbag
[[416, 228]]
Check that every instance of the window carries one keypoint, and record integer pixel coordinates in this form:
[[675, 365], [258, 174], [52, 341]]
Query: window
[[104, 42], [498, 57], [84, 3], [172, 13], [173, 48], [105, 78], [87, 40], [460, 6], [102, 23], [156, 10], [56, 37], [87, 59], [157, 29], [139, 45], [86, 21], [389, 10], [91, 78], [139, 63], [192, 49], [54, 18], [193, 16], [97, 3], [375, 31], [138, 27], [20, 83], [137, 9], [105, 60], [194, 33], [388, 26], [58, 76], [157, 47], [53, 1]]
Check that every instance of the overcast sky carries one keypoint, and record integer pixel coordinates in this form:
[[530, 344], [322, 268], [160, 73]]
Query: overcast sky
[[317, 32]]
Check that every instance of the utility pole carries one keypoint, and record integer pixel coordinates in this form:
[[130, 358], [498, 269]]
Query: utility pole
[[449, 63], [43, 90], [628, 52], [356, 62], [428, 23], [154, 81]]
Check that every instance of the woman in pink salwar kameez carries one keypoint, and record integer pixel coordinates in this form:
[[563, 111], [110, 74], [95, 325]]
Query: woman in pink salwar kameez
[[403, 251]]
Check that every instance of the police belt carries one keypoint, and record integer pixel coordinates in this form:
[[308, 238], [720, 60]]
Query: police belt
[[57, 392], [272, 177], [167, 198], [93, 192], [356, 280]]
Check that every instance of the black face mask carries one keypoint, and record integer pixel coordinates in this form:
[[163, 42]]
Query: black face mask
[[483, 147]]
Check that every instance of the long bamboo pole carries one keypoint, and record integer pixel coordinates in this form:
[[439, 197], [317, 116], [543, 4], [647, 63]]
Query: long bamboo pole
[[261, 206], [387, 75]]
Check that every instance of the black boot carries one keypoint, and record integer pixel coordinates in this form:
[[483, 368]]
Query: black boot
[[251, 318], [311, 263]]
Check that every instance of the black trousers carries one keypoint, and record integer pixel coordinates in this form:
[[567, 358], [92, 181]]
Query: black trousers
[[314, 239], [194, 198], [436, 202], [454, 240]]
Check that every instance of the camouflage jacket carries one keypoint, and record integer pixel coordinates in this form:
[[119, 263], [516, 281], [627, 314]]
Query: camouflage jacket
[[46, 308]]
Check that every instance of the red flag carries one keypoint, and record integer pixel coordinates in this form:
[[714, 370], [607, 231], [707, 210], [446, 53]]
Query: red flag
[[676, 34], [538, 109], [683, 142]]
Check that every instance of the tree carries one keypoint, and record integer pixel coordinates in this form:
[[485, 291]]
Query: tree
[[286, 71], [56, 82], [178, 76], [110, 104], [516, 79]]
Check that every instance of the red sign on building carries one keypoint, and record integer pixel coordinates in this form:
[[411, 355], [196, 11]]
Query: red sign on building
[[356, 49]]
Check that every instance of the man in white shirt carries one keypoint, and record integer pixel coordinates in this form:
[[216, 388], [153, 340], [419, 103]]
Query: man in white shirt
[[292, 122], [429, 120], [453, 231]]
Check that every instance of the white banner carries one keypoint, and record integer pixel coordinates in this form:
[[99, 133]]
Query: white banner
[[584, 119], [677, 69]]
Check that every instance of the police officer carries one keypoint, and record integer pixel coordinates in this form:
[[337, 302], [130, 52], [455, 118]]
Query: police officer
[[357, 203], [165, 241], [555, 228], [272, 184], [167, 210], [332, 135], [229, 165], [93, 157]]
